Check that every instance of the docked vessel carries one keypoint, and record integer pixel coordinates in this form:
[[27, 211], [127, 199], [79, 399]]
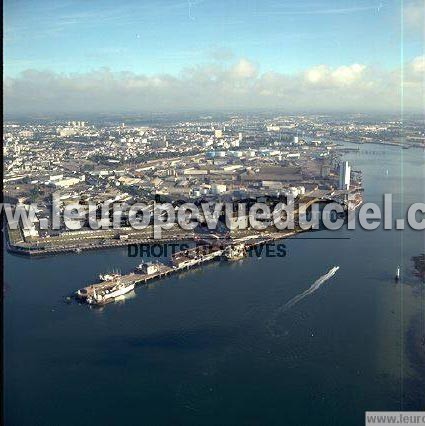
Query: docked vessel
[[109, 294], [105, 292]]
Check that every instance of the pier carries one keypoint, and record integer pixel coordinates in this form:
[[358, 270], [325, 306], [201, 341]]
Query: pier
[[179, 261]]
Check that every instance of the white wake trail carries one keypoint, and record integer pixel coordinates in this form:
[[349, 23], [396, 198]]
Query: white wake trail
[[314, 287], [271, 324]]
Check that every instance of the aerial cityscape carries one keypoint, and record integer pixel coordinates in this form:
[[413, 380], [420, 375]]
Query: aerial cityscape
[[190, 237], [240, 158]]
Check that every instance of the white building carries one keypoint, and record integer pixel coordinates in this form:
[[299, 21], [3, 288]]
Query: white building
[[218, 133], [55, 177], [148, 268], [344, 175], [66, 131], [65, 183], [273, 128]]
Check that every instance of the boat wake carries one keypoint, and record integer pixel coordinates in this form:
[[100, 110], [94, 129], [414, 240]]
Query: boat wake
[[313, 288]]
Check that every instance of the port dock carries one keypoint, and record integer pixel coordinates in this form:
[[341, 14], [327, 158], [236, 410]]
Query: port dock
[[150, 271], [180, 261]]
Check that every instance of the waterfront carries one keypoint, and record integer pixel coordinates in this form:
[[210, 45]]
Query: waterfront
[[211, 347]]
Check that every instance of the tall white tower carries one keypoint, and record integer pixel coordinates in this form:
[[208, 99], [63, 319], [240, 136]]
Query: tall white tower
[[344, 175]]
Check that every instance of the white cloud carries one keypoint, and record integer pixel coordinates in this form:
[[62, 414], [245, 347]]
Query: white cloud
[[418, 65], [316, 74], [347, 75], [341, 76], [239, 85], [244, 69], [414, 77]]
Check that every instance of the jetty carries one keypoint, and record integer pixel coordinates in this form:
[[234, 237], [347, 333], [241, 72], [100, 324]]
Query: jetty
[[180, 261]]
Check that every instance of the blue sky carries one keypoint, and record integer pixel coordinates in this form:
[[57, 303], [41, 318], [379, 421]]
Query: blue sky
[[167, 35], [105, 55]]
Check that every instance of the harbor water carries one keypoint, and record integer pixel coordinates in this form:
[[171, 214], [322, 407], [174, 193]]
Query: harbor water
[[216, 345]]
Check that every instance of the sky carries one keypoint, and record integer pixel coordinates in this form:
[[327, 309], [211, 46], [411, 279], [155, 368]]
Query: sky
[[162, 55]]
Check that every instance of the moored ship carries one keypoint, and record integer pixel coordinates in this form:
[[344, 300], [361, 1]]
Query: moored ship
[[106, 292], [108, 295]]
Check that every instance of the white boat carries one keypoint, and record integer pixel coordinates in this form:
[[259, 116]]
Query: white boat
[[108, 295], [333, 270]]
